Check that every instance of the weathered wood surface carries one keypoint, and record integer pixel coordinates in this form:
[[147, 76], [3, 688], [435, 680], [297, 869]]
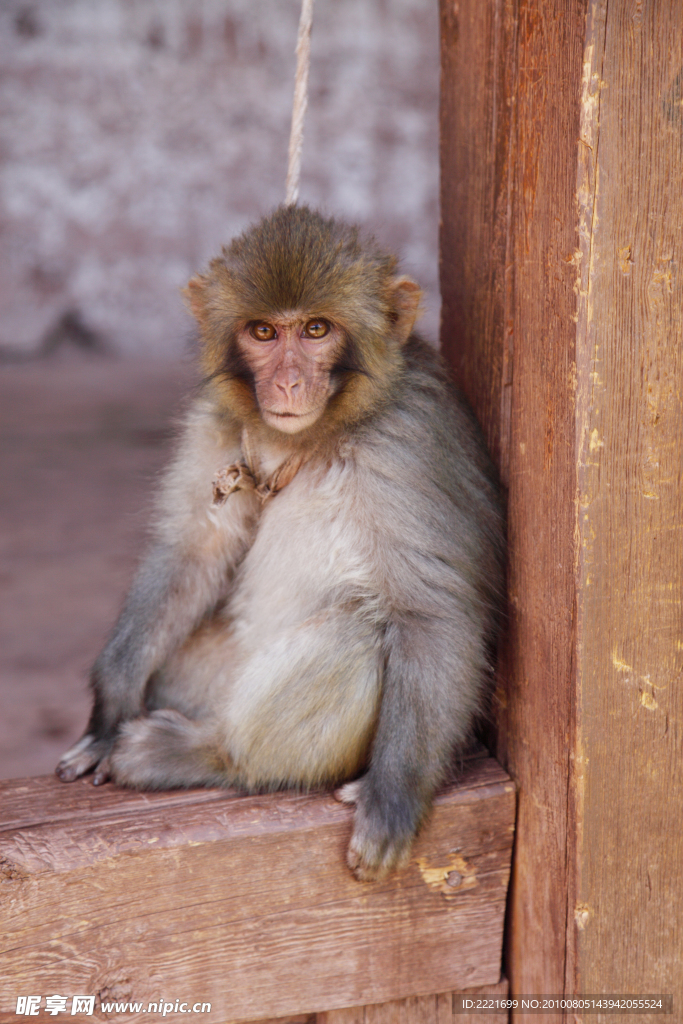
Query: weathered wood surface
[[435, 1009], [510, 128], [629, 456], [244, 902], [562, 164]]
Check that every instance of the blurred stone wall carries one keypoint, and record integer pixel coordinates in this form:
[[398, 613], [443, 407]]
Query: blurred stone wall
[[137, 136]]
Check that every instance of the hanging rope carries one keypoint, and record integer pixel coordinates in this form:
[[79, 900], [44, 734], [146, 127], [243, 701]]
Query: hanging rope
[[296, 138]]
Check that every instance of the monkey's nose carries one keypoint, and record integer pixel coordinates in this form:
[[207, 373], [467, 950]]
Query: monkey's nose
[[289, 389]]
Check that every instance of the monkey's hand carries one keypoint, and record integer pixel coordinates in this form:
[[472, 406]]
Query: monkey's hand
[[383, 831], [90, 752]]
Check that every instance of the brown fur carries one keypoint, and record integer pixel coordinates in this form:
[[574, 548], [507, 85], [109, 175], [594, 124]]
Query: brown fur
[[297, 260]]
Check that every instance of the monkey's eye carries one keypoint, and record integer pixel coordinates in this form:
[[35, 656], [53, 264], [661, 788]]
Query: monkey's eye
[[262, 331], [316, 329]]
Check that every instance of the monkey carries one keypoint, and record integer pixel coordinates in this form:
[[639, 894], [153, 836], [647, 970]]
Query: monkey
[[322, 588]]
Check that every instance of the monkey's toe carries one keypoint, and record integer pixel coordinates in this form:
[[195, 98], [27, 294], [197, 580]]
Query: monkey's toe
[[80, 758], [102, 772], [348, 793], [373, 858]]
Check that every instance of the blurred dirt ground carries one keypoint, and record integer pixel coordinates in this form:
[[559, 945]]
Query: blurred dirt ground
[[82, 439]]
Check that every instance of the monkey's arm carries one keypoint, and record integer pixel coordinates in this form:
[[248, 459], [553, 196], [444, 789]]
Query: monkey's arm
[[436, 549], [429, 695], [186, 570]]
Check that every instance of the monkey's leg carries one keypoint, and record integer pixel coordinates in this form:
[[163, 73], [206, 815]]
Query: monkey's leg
[[147, 628], [169, 596], [299, 712], [165, 750], [434, 670], [176, 745]]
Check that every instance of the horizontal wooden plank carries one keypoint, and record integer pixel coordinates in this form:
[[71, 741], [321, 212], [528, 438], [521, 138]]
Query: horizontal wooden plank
[[36, 801], [244, 902], [434, 1009]]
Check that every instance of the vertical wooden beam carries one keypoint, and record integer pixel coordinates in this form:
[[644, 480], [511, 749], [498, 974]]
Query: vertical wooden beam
[[509, 168], [562, 171], [628, 914], [477, 113]]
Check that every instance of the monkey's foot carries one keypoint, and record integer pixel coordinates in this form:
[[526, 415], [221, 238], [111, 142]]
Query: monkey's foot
[[382, 833], [371, 858], [88, 753], [165, 750]]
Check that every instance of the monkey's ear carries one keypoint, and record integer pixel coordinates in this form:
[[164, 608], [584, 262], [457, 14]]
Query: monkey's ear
[[405, 300], [195, 298]]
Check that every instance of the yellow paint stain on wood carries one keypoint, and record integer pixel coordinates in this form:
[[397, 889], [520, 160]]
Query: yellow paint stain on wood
[[648, 701], [664, 278], [654, 686], [572, 381], [625, 258], [582, 915], [449, 879], [620, 666]]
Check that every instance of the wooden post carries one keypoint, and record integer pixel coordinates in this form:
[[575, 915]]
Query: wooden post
[[562, 170]]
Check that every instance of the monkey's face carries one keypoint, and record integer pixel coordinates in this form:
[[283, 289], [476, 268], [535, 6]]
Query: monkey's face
[[291, 358], [299, 318]]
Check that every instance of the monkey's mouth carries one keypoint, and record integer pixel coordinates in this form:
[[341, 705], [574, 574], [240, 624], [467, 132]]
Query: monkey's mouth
[[291, 422]]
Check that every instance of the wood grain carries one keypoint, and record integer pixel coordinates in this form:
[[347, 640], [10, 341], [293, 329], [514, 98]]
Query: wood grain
[[433, 1009], [562, 162], [629, 440], [510, 121], [474, 221], [244, 902]]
